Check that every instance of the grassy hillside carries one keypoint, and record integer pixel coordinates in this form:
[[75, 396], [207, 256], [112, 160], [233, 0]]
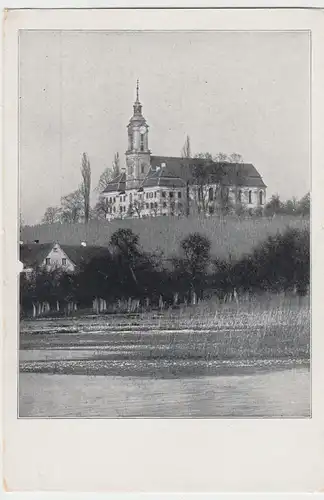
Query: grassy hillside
[[228, 235]]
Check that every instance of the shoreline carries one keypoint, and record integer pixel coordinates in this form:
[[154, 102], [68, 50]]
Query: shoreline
[[162, 369]]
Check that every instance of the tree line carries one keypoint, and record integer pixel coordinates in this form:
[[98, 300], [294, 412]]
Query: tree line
[[125, 272]]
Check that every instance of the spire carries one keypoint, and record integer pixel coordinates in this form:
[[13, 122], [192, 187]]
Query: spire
[[137, 104], [137, 90]]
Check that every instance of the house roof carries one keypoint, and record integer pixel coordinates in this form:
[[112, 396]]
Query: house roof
[[162, 177], [81, 255], [240, 174], [116, 184], [174, 172], [33, 254]]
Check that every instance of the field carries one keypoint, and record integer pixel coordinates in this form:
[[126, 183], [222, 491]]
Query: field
[[228, 235]]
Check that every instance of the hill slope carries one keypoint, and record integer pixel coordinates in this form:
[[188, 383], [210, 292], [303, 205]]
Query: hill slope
[[228, 235]]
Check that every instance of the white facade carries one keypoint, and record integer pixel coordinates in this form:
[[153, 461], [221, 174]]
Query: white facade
[[57, 259], [150, 202]]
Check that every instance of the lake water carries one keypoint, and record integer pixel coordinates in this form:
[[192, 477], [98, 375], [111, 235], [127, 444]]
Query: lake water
[[142, 367], [280, 393]]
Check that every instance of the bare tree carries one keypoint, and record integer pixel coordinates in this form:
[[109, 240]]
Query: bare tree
[[86, 185], [221, 157], [72, 207], [104, 180], [186, 149], [186, 153], [203, 180], [116, 166], [109, 174], [235, 158], [52, 215], [102, 208], [138, 207]]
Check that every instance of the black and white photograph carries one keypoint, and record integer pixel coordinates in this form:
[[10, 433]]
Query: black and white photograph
[[164, 235]]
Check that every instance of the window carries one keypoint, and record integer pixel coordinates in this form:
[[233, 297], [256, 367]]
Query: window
[[120, 208], [142, 143], [155, 205], [120, 198], [164, 205], [239, 196], [142, 168], [171, 194], [179, 194], [147, 195], [226, 193], [211, 194], [125, 197], [48, 261], [63, 262], [261, 197], [114, 209], [151, 205], [154, 194], [130, 197], [163, 194], [250, 196], [114, 200], [147, 205], [110, 200]]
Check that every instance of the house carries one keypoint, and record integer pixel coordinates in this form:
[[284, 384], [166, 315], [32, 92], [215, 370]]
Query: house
[[163, 185], [51, 256]]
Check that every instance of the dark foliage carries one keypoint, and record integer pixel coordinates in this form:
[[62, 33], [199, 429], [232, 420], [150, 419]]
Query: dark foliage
[[279, 264]]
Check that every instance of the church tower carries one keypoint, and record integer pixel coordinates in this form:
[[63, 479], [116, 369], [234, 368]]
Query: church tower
[[138, 153]]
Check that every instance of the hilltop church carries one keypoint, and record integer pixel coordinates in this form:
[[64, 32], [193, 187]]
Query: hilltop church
[[162, 185]]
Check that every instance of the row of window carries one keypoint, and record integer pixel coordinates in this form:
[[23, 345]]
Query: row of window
[[48, 261], [122, 198], [147, 206], [211, 196], [239, 195]]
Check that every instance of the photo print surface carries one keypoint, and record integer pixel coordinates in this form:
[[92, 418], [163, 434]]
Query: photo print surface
[[164, 224]]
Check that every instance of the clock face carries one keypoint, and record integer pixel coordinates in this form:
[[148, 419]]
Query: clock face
[[143, 130]]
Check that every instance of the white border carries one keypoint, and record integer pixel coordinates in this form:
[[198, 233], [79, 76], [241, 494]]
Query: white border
[[161, 455]]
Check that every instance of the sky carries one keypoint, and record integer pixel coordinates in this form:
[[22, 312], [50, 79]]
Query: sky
[[243, 92]]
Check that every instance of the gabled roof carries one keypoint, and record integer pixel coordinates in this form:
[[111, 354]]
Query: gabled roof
[[240, 174], [175, 172], [33, 254], [116, 184], [81, 255], [162, 177]]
